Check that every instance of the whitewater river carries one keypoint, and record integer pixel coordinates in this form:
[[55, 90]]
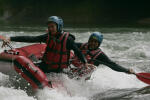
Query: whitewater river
[[129, 47]]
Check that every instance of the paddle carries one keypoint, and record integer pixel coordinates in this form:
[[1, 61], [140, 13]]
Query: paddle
[[144, 77]]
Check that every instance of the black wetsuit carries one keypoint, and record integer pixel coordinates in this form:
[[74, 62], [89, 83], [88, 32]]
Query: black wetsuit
[[104, 59], [70, 45]]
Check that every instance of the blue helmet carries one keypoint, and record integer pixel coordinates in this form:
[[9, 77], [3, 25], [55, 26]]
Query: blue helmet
[[98, 36], [57, 20]]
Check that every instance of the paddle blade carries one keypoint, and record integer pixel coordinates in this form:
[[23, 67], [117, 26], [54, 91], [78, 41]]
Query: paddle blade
[[145, 77]]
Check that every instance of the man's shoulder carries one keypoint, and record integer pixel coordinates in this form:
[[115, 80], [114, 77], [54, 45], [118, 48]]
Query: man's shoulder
[[71, 36]]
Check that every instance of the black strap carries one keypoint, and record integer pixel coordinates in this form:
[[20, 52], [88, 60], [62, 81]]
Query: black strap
[[58, 52]]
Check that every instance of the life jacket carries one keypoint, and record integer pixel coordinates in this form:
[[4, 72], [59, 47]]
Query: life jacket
[[56, 55], [90, 55]]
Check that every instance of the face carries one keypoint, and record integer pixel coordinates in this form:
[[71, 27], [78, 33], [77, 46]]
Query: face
[[52, 28], [93, 44]]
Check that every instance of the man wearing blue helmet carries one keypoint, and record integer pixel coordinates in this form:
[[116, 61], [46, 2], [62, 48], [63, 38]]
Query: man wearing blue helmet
[[59, 44], [95, 55]]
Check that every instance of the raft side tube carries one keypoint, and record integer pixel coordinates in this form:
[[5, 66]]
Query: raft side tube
[[31, 73]]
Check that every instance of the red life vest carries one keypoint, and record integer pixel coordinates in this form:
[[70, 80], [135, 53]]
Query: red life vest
[[56, 55], [90, 55]]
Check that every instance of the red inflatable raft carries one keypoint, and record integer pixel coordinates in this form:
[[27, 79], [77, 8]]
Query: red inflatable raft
[[23, 59]]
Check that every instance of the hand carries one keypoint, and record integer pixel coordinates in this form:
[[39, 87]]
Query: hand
[[130, 71], [87, 65], [5, 40]]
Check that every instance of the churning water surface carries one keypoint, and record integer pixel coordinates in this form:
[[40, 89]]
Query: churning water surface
[[127, 47]]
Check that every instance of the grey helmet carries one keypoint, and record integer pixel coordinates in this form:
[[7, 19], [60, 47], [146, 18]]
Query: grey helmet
[[58, 21]]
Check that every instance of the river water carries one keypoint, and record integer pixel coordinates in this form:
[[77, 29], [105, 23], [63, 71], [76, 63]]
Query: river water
[[129, 47]]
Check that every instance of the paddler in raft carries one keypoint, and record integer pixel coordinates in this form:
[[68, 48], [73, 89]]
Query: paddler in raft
[[95, 55], [59, 44]]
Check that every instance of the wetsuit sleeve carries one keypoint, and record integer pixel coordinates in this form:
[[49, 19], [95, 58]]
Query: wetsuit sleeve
[[78, 44], [71, 45], [30, 39], [103, 59]]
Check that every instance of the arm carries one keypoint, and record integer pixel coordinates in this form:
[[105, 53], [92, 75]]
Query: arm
[[103, 59], [40, 38], [78, 44], [71, 45]]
